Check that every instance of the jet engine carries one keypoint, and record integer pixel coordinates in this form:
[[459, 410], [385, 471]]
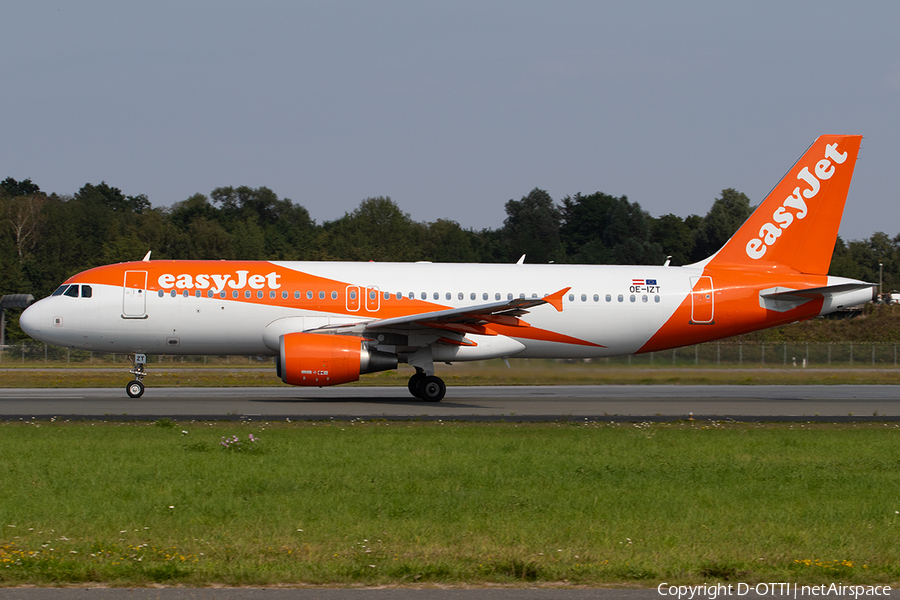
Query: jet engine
[[322, 359]]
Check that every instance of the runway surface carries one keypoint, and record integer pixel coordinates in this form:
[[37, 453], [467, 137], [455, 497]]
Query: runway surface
[[526, 403]]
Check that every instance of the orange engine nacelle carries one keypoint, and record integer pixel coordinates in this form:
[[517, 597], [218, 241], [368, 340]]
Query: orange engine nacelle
[[321, 359]]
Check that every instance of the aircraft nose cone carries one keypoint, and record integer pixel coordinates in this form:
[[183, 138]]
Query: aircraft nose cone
[[30, 320]]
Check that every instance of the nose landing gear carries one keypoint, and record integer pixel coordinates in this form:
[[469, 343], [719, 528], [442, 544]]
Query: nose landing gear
[[135, 387]]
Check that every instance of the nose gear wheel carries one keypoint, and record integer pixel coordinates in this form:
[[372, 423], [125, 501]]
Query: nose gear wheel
[[135, 387]]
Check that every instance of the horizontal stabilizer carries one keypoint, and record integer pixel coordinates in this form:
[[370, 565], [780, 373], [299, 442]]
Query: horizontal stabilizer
[[782, 299], [816, 292]]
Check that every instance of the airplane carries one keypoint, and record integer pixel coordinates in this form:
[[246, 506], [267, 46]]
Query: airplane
[[329, 322]]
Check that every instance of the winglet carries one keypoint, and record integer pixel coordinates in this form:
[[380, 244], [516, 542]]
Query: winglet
[[555, 300]]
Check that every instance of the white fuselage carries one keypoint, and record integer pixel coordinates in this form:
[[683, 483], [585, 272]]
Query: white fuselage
[[604, 306]]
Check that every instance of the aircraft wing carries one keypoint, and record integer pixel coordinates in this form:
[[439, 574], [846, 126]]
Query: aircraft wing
[[469, 318]]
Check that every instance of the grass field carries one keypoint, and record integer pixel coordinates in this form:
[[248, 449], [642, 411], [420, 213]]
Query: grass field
[[451, 503], [523, 372]]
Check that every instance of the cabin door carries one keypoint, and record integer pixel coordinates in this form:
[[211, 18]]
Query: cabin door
[[134, 304], [702, 300]]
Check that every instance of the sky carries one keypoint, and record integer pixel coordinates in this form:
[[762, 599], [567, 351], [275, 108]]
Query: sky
[[450, 108]]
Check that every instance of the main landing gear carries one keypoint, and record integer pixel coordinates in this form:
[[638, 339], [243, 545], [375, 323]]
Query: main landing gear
[[427, 387], [135, 387]]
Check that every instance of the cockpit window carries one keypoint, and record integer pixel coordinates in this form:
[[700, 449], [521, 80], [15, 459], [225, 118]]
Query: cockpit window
[[72, 291], [86, 291], [59, 291]]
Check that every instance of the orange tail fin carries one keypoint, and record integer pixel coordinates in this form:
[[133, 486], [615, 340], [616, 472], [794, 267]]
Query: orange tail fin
[[797, 224]]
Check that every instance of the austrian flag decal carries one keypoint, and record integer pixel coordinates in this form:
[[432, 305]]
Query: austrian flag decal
[[647, 286]]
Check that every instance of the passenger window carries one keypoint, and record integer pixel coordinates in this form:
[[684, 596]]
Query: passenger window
[[309, 295], [198, 294], [86, 291], [353, 294], [424, 295], [247, 294], [633, 298], [161, 293], [284, 295], [387, 295], [437, 296], [223, 294], [460, 296], [643, 298], [497, 296], [373, 295], [334, 295], [259, 294], [620, 298], [596, 297], [186, 293], [571, 297], [656, 298], [509, 296], [210, 294], [60, 290], [535, 295], [412, 295], [321, 295], [297, 295], [522, 296], [72, 292], [484, 296], [173, 292], [399, 296], [472, 296], [608, 298], [584, 297]]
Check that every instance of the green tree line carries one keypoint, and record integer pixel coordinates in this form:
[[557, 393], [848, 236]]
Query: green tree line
[[46, 237]]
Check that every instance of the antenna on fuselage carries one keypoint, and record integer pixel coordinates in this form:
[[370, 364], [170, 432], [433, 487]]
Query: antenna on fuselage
[[668, 260], [147, 256], [521, 260]]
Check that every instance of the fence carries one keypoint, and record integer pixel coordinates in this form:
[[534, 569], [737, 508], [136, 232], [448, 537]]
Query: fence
[[726, 354], [36, 353], [763, 354]]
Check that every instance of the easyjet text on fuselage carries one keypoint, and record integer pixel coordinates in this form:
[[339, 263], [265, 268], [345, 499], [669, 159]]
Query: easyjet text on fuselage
[[217, 282]]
